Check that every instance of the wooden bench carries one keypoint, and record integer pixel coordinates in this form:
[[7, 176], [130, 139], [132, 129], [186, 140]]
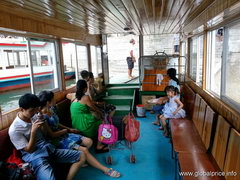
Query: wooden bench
[[207, 162], [205, 145], [185, 136], [232, 161]]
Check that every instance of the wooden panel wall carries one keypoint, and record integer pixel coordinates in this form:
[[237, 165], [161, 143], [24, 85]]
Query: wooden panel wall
[[18, 19], [233, 156], [231, 115], [220, 141], [149, 81]]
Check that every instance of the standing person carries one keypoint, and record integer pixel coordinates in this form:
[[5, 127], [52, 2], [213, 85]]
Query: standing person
[[27, 137], [131, 59]]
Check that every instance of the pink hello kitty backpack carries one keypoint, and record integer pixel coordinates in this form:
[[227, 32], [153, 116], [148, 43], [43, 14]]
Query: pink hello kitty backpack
[[107, 132]]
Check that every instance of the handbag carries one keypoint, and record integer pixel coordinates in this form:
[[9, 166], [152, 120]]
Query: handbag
[[132, 128], [107, 132]]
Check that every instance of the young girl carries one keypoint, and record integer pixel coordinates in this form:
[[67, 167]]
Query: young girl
[[64, 137], [173, 108], [171, 72], [64, 140]]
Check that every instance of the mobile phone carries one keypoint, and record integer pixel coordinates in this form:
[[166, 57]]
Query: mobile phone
[[38, 117]]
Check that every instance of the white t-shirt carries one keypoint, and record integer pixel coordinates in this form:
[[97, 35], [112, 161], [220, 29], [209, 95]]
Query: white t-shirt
[[19, 133], [132, 48]]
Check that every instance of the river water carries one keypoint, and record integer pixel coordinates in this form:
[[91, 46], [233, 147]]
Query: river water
[[9, 99]]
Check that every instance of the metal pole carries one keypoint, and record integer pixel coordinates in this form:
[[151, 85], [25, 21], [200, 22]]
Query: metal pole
[[30, 66]]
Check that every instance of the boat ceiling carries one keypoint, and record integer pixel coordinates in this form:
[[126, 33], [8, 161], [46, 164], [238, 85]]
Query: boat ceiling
[[112, 16]]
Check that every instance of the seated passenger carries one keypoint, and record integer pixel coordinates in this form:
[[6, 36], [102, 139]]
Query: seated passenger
[[173, 108], [82, 118], [64, 137], [26, 136], [64, 140], [93, 93], [171, 72], [85, 76]]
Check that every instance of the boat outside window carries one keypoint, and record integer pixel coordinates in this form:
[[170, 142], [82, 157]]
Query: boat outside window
[[69, 60], [82, 59], [214, 60], [231, 61], [14, 71], [44, 64]]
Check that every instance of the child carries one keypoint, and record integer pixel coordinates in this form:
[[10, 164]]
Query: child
[[173, 108], [26, 136], [171, 72], [64, 137]]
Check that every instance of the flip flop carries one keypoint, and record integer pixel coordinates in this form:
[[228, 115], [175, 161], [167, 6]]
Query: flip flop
[[102, 150], [160, 128], [112, 173]]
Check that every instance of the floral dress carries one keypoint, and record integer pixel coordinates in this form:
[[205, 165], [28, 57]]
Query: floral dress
[[67, 141]]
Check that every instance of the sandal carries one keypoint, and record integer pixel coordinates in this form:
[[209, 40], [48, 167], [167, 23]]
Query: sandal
[[156, 123], [103, 149], [166, 134], [160, 128], [152, 112], [112, 173]]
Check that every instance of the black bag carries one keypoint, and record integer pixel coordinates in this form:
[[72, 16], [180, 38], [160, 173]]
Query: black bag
[[9, 171]]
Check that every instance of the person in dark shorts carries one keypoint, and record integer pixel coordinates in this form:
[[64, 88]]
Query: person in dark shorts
[[131, 59]]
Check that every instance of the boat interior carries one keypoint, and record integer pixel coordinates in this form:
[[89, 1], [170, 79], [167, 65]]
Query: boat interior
[[205, 144]]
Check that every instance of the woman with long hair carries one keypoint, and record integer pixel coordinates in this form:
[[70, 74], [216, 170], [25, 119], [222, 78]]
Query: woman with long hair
[[82, 118]]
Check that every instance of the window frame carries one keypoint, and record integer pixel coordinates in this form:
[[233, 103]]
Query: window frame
[[58, 68], [196, 79], [235, 105]]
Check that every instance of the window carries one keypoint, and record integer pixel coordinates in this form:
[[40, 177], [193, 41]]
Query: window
[[99, 60], [96, 60], [14, 71], [82, 59], [160, 43], [182, 65], [214, 60], [231, 65], [196, 59], [44, 64], [119, 47], [69, 59]]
